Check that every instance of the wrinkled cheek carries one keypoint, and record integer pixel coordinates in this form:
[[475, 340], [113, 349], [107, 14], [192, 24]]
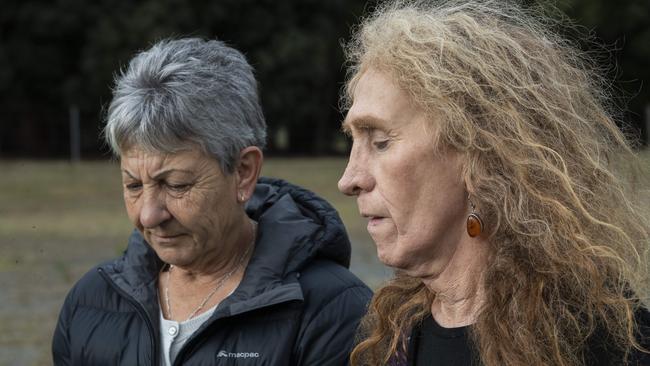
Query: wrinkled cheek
[[133, 213]]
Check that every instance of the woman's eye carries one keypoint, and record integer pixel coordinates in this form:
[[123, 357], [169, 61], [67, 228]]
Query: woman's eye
[[178, 187], [381, 145], [133, 187]]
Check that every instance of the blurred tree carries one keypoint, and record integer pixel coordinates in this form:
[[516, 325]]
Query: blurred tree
[[295, 48], [624, 28], [54, 54]]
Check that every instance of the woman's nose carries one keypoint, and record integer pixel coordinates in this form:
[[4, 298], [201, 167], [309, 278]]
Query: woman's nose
[[153, 211], [356, 177], [346, 184]]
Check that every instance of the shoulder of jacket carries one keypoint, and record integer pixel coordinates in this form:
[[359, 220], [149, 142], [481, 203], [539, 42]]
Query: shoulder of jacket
[[335, 300], [90, 288], [324, 281]]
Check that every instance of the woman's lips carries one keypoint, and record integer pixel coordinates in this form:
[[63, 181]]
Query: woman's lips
[[161, 239], [375, 221]]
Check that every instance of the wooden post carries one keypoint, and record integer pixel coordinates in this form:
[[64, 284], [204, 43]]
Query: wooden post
[[75, 134]]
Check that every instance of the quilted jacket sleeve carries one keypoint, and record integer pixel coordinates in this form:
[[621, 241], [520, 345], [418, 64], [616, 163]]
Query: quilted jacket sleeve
[[331, 318], [61, 340]]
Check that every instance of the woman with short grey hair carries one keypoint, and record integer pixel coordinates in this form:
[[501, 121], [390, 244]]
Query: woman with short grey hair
[[222, 266]]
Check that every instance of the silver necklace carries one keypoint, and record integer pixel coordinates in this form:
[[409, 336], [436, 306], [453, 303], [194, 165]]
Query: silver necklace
[[219, 285]]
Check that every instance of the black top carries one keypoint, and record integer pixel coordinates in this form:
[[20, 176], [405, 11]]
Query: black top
[[432, 345]]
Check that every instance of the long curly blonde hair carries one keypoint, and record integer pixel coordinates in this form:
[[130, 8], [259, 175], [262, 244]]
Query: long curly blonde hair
[[555, 179]]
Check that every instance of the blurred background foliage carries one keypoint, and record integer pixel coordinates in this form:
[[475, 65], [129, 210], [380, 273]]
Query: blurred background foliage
[[56, 54]]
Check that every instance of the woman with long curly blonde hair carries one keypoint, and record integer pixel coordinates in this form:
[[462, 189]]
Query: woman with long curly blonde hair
[[487, 159]]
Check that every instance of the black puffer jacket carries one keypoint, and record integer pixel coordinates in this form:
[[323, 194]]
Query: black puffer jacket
[[297, 304]]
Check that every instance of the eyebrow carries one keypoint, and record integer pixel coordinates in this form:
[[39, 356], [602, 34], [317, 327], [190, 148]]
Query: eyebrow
[[159, 174], [363, 122]]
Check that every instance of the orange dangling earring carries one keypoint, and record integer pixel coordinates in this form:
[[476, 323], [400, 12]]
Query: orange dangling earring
[[474, 222]]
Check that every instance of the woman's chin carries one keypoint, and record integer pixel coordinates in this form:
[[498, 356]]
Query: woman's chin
[[392, 259], [411, 265], [170, 255]]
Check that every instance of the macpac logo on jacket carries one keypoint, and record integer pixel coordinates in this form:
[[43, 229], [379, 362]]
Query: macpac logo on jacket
[[225, 354]]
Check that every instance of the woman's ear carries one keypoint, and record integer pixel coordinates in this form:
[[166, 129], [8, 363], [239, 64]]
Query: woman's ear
[[248, 170]]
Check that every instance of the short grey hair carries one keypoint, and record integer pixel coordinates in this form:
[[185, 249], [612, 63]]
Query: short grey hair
[[186, 92]]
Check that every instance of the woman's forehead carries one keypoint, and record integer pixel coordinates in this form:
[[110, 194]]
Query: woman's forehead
[[157, 162], [378, 97]]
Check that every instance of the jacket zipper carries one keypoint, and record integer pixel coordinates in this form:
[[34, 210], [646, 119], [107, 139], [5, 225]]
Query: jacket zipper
[[141, 311]]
